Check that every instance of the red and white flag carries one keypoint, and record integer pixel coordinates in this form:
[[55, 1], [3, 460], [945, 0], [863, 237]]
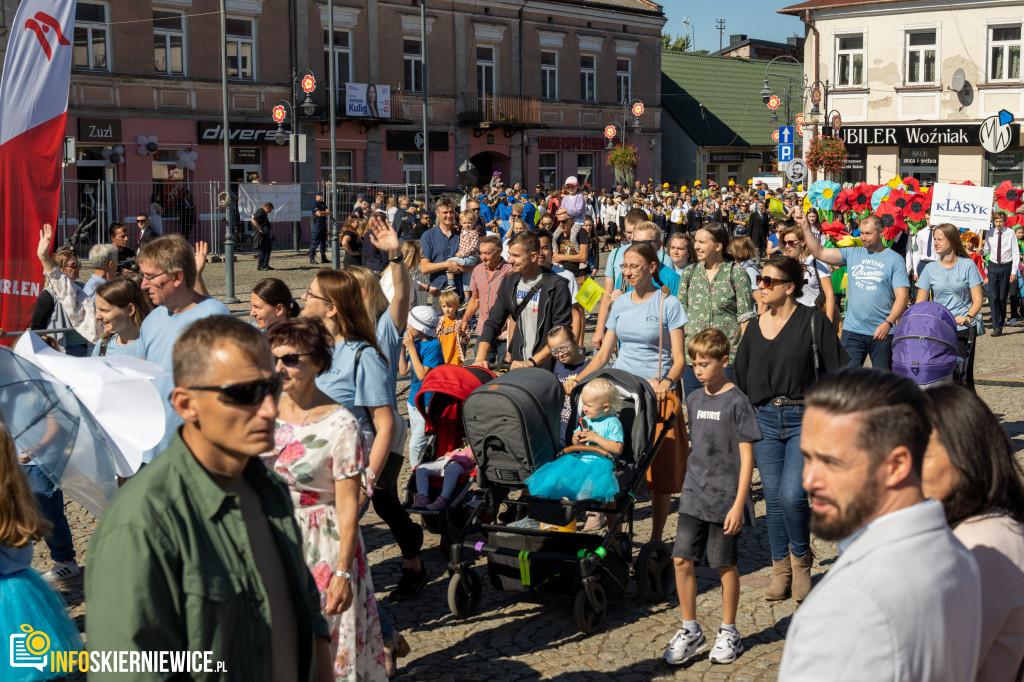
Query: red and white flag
[[33, 111]]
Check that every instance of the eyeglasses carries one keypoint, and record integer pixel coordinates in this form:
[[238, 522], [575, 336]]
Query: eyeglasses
[[767, 281], [642, 241], [626, 267], [291, 359], [310, 294], [150, 278], [564, 350], [246, 393]]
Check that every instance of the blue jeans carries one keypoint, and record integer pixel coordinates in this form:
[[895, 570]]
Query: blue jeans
[[860, 346], [781, 465], [51, 503], [417, 435]]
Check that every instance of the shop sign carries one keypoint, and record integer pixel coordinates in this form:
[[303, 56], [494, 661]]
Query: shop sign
[[953, 135], [726, 157], [248, 133], [569, 143], [856, 159], [917, 157], [753, 155], [245, 156], [101, 130], [412, 141]]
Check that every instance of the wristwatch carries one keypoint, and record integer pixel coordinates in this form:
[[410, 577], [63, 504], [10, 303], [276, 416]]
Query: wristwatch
[[344, 574], [395, 259]]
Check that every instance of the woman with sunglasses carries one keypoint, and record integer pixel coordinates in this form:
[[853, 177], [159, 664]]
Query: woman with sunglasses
[[971, 469], [779, 358], [646, 326], [817, 275], [318, 451], [271, 301], [49, 312], [715, 294]]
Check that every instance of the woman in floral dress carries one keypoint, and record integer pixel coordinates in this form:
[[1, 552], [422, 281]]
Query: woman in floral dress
[[318, 451]]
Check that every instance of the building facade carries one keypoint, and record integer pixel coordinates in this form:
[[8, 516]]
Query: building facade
[[915, 82], [755, 48]]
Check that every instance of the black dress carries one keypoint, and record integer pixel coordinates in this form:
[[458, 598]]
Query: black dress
[[354, 243]]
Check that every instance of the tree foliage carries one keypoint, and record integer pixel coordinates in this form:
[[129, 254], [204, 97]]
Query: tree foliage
[[679, 43]]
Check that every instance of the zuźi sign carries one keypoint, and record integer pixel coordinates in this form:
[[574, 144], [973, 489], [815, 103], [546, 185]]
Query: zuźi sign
[[952, 135], [102, 130], [962, 205]]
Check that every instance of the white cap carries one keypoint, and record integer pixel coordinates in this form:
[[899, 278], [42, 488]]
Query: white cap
[[571, 180], [423, 319]]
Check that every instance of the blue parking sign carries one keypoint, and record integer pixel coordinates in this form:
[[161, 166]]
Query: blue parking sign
[[785, 153]]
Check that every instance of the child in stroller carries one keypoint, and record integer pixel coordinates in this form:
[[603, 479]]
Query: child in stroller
[[451, 466]]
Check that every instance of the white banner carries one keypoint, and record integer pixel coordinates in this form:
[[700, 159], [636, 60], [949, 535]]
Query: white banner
[[964, 206], [773, 181], [286, 198], [368, 100]]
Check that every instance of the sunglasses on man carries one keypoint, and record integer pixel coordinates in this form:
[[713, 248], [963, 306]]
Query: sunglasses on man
[[246, 393]]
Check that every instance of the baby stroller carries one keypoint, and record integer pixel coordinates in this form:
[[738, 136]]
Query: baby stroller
[[440, 401], [512, 425], [925, 348]]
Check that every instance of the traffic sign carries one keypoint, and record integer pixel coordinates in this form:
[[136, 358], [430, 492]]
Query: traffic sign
[[786, 135], [796, 171], [785, 153]]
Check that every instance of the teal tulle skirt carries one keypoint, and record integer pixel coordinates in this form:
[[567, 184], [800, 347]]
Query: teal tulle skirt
[[576, 476], [26, 600]]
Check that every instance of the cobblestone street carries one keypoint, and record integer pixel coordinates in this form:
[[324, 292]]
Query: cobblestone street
[[511, 639]]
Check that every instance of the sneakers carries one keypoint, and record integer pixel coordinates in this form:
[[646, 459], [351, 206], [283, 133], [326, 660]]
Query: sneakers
[[595, 521], [684, 646], [61, 571], [728, 646], [438, 504], [449, 287], [410, 584]]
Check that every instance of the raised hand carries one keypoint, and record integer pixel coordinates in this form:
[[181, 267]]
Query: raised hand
[[202, 249], [384, 236]]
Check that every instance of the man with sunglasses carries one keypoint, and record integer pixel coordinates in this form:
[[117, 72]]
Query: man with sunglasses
[[200, 552], [169, 273], [146, 231]]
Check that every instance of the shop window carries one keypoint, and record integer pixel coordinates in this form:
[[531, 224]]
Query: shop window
[[732, 173], [241, 46], [548, 167], [712, 174], [921, 163], [921, 58], [1008, 165], [588, 78], [412, 168], [91, 47], [585, 168], [623, 82], [1004, 53], [169, 42], [549, 75], [343, 164], [412, 56]]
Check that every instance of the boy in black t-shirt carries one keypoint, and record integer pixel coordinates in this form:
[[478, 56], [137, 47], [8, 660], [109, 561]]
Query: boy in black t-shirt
[[723, 428], [570, 361]]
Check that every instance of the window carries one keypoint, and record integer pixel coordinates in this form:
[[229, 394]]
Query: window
[[732, 172], [90, 50], [240, 50], [343, 163], [588, 78], [1004, 48], [920, 57], [169, 42], [548, 167], [920, 162], [1008, 165], [412, 168], [585, 168], [413, 65], [850, 60], [342, 62], [485, 72], [549, 75], [622, 81], [712, 173]]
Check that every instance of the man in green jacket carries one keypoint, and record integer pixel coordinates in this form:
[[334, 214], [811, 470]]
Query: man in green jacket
[[200, 551]]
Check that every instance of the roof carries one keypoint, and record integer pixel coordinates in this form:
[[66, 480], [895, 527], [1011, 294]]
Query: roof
[[757, 41], [632, 6], [717, 100], [828, 4]]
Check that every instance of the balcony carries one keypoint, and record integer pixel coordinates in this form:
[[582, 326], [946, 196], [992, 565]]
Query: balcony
[[322, 99], [499, 111]]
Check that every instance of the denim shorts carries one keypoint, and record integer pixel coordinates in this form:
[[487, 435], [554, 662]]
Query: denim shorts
[[693, 536]]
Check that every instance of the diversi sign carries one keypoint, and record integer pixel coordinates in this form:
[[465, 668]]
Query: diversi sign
[[954, 135]]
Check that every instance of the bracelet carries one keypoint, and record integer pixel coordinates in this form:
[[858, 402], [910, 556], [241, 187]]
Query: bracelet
[[533, 363], [395, 259], [888, 323], [344, 574]]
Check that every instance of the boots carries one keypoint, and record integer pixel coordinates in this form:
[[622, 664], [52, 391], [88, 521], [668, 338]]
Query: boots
[[782, 578], [802, 575]]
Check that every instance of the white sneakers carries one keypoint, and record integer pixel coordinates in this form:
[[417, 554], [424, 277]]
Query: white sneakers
[[62, 571], [685, 645]]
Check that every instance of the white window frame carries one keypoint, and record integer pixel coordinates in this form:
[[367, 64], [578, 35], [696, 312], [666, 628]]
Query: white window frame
[[544, 169], [90, 28], [922, 51], [581, 166], [240, 40], [343, 158], [409, 166], [851, 54], [167, 34], [549, 76], [588, 79], [482, 66], [339, 49], [623, 80], [1003, 45], [413, 66]]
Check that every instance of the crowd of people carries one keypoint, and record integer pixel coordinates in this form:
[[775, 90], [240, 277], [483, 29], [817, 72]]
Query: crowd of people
[[240, 533]]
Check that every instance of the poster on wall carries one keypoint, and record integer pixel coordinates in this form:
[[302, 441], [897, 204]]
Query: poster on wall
[[965, 206], [368, 100]]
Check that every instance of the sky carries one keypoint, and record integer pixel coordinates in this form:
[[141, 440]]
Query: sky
[[756, 19]]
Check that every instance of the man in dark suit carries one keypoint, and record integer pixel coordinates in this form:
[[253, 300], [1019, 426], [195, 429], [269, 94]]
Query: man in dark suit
[[148, 234], [757, 228]]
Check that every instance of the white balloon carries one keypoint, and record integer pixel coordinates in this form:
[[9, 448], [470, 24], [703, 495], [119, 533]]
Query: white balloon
[[118, 149]]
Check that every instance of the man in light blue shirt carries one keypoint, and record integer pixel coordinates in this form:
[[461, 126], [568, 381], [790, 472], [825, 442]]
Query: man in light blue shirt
[[877, 291], [104, 263]]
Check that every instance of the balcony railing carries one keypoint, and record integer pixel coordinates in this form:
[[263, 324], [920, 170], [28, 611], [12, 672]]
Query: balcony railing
[[499, 110]]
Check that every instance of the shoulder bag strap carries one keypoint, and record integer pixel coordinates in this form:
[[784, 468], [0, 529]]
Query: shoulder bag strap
[[814, 348], [661, 329], [533, 290], [103, 345]]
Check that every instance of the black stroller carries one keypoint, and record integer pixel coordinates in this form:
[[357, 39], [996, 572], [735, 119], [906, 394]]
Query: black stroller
[[440, 400], [512, 425]]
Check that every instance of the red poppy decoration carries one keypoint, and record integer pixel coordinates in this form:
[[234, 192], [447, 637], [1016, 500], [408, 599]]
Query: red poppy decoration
[[916, 206], [1015, 220], [965, 182], [1007, 197], [912, 184], [842, 202], [835, 229], [898, 198], [860, 199], [892, 220]]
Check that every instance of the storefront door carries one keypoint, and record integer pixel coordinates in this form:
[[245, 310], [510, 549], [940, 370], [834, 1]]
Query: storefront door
[[921, 163]]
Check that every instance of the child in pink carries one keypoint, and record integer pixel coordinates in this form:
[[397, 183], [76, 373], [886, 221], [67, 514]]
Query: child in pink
[[454, 464]]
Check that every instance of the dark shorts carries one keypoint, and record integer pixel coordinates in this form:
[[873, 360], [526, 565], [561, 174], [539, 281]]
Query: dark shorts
[[694, 535]]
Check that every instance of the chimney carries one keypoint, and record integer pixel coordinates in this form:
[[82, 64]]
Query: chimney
[[795, 41], [737, 38]]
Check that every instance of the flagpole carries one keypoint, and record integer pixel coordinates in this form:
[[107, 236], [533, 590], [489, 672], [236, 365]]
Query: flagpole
[[229, 237]]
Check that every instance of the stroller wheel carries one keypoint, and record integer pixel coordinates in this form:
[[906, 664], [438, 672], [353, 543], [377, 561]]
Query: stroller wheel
[[654, 572], [464, 593], [590, 618]]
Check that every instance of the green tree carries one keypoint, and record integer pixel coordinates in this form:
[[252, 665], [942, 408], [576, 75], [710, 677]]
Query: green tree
[[680, 43]]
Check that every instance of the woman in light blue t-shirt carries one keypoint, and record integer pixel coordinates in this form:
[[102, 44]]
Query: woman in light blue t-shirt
[[121, 306], [953, 280], [638, 322]]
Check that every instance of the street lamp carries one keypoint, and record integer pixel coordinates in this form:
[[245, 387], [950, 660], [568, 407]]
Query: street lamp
[[635, 107], [284, 109]]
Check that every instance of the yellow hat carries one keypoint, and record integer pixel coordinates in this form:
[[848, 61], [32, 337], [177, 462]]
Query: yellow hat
[[696, 183], [731, 182], [665, 185], [683, 188], [750, 181]]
